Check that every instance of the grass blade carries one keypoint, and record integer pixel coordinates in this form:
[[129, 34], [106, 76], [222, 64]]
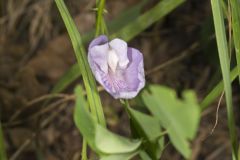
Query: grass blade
[[72, 74], [126, 17], [235, 8], [88, 79], [216, 91], [225, 67], [141, 23], [3, 155]]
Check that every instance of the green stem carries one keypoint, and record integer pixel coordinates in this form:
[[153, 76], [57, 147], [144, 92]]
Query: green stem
[[84, 150], [100, 20], [3, 155]]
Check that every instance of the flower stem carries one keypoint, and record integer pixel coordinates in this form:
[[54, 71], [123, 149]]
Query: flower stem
[[84, 150]]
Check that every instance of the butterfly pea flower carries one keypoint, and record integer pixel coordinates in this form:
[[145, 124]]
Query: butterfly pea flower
[[117, 67]]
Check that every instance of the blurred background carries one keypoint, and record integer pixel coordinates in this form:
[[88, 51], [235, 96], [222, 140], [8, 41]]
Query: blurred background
[[35, 52]]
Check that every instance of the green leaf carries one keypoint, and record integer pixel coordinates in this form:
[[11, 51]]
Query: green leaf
[[83, 119], [152, 148], [110, 143], [225, 67], [216, 91], [144, 155], [235, 8], [125, 156], [3, 155], [99, 139], [180, 117], [148, 128], [88, 79]]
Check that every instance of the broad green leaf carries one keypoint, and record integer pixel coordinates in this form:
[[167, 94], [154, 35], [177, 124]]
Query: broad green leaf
[[99, 139], [225, 67], [88, 79], [179, 142], [180, 117], [216, 91], [124, 156], [83, 119], [148, 128], [144, 155], [235, 8], [152, 148], [110, 143], [3, 155]]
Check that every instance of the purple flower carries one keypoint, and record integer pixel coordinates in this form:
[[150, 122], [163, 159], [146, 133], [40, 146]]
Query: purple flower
[[117, 67]]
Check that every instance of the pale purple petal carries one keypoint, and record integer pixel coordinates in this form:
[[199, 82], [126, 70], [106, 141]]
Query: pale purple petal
[[127, 78], [133, 78], [98, 41], [99, 54], [121, 49], [128, 82]]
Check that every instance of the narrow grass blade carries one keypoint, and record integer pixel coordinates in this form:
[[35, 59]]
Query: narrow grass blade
[[72, 74], [235, 9], [216, 91], [88, 79], [126, 17], [3, 155], [225, 67], [157, 12], [239, 153]]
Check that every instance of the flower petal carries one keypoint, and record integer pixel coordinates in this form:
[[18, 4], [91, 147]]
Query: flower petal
[[102, 39], [122, 73], [126, 83], [120, 47], [97, 52], [134, 74], [99, 55]]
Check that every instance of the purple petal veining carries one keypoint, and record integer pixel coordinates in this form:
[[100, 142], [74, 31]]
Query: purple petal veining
[[117, 67]]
